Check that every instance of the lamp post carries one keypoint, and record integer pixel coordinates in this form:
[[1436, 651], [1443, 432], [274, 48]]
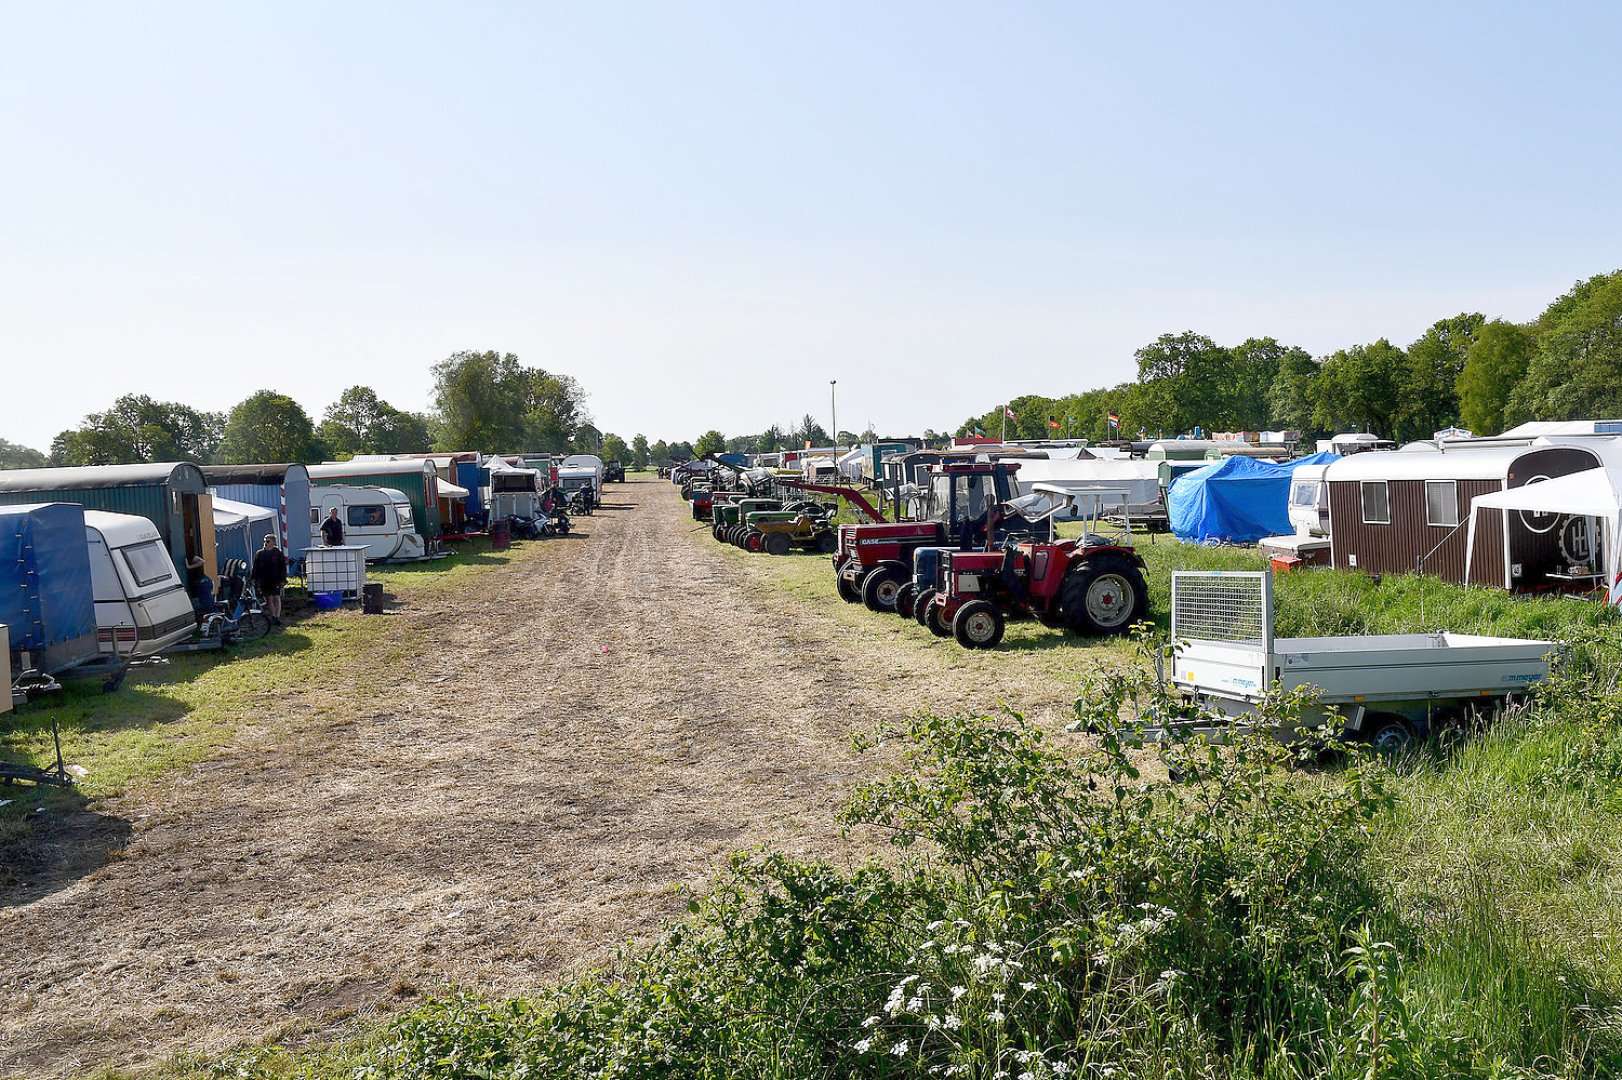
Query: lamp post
[[833, 410]]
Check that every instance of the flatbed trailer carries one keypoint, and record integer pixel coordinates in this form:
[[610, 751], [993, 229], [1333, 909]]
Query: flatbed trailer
[[1381, 688]]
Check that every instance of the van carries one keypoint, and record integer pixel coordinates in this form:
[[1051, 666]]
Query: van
[[378, 519], [142, 606]]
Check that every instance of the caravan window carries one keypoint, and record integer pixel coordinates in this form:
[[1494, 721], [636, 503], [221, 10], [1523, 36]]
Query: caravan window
[[1304, 493], [148, 562], [367, 517], [1376, 503], [1442, 502]]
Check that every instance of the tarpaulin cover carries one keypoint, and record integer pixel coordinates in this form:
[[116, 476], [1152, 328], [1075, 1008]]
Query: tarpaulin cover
[[45, 593], [1237, 499], [1322, 457]]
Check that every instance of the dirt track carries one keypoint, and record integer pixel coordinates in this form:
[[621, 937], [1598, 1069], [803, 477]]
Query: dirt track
[[523, 801]]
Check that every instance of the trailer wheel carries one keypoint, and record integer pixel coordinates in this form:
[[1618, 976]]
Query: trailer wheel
[[1104, 595], [935, 617], [1389, 734], [827, 543], [880, 587], [978, 625], [920, 605], [905, 600], [777, 543], [848, 592]]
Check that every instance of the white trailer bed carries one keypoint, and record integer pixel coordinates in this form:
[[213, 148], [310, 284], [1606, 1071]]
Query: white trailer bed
[[1225, 657]]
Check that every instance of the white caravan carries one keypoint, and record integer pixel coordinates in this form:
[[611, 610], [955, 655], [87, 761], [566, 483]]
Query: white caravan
[[582, 470], [378, 519], [142, 606], [1309, 501]]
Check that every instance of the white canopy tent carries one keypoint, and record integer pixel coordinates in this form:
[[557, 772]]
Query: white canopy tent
[[1592, 493]]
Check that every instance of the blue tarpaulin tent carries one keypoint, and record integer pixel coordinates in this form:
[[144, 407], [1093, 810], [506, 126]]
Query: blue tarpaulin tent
[[46, 600], [1238, 499]]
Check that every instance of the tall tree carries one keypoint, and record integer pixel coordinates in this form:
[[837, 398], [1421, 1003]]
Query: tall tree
[[269, 427], [639, 451], [808, 433], [1429, 392], [1189, 381], [614, 449], [1497, 362], [1293, 393], [1576, 372], [711, 442], [1256, 367], [587, 440], [360, 422], [17, 456], [138, 428], [659, 453], [491, 402], [1358, 389]]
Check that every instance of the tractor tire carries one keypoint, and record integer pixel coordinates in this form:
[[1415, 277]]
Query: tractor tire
[[848, 592], [827, 543], [920, 605], [935, 618], [905, 599], [978, 625], [716, 530], [1102, 596], [777, 543], [879, 588], [754, 541]]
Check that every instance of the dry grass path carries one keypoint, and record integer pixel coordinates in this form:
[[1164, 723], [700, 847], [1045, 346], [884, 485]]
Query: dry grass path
[[508, 784]]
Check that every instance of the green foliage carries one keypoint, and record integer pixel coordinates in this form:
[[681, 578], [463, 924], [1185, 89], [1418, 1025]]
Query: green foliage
[[360, 422], [17, 456], [1429, 399], [136, 428], [1359, 388], [613, 448], [1190, 381], [269, 427], [640, 451], [711, 442], [1496, 363], [492, 403], [1577, 369]]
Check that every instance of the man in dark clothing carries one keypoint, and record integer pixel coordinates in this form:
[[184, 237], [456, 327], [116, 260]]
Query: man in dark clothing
[[269, 577], [332, 530]]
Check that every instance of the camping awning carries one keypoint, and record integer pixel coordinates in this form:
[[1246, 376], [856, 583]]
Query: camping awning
[[1590, 493], [448, 490]]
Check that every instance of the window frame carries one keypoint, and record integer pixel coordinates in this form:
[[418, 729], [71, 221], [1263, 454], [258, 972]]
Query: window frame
[[1363, 500], [1457, 516], [165, 562]]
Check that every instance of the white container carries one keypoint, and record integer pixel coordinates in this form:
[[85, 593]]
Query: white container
[[340, 569]]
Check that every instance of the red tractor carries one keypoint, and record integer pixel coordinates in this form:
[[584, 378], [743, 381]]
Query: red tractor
[[1092, 586], [961, 509]]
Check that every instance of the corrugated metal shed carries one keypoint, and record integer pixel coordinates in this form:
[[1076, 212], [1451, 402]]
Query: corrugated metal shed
[[417, 479], [165, 493], [283, 488]]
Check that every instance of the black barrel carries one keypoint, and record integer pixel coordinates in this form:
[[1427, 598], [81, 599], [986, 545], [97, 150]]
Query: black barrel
[[371, 601]]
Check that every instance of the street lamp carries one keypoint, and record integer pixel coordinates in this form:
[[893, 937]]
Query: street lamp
[[833, 409]]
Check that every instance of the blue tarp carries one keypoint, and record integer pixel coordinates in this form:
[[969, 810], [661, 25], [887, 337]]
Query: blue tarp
[[46, 597], [1238, 499]]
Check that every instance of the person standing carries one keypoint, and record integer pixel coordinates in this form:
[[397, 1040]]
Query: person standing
[[332, 530], [270, 577]]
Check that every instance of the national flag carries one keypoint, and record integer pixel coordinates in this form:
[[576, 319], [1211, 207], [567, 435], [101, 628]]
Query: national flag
[[1053, 423], [1115, 418], [1006, 411]]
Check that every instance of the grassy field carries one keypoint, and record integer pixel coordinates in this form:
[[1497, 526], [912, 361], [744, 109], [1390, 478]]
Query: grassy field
[[168, 716]]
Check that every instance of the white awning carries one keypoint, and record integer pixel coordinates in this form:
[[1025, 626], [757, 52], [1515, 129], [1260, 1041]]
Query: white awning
[[448, 490], [1590, 493]]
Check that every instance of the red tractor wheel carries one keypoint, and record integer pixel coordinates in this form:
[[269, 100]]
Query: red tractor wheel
[[1104, 595], [905, 598], [920, 605], [935, 618], [753, 541], [978, 625]]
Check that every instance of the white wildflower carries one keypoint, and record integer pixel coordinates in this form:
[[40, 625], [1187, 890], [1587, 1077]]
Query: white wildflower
[[864, 1046], [900, 1048], [996, 1016], [958, 992], [954, 1022], [870, 1021]]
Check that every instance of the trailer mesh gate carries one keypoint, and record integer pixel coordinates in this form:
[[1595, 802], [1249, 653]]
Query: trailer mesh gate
[[1234, 607]]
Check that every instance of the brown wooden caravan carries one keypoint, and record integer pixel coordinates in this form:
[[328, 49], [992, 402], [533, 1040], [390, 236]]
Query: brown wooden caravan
[[1408, 511]]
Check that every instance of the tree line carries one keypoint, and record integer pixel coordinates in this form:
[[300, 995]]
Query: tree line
[[485, 401], [1485, 375]]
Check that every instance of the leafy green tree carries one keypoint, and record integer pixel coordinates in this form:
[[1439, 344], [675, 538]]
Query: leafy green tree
[[711, 442], [772, 440], [17, 456], [808, 432], [639, 451], [614, 449], [1189, 382], [360, 422], [269, 427], [1257, 366], [1358, 389], [555, 416], [1293, 393], [1496, 363], [660, 454], [491, 402], [587, 440], [682, 451], [1576, 371], [137, 428], [1429, 392]]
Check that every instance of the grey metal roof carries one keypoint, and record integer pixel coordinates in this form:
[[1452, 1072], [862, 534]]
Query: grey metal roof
[[250, 474], [182, 474]]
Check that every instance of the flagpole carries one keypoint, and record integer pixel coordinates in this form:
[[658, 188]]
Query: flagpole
[[1005, 423]]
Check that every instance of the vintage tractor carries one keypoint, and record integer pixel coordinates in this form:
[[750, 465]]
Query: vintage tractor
[[1091, 586], [874, 561], [805, 525]]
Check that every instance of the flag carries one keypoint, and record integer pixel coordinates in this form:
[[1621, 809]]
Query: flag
[[1006, 411], [1053, 423], [1115, 419]]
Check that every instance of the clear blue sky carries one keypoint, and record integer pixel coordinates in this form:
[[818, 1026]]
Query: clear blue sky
[[706, 211]]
